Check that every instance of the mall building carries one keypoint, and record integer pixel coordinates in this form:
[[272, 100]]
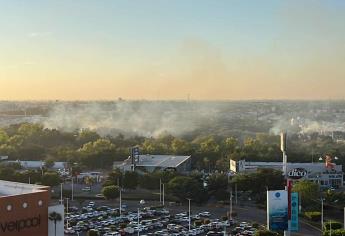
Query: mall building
[[325, 174], [25, 210]]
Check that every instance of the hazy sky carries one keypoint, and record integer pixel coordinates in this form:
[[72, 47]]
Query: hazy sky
[[167, 49]]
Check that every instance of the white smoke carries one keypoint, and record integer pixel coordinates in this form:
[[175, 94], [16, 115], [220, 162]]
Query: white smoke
[[130, 118]]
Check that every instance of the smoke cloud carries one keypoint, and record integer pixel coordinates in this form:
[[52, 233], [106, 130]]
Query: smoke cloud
[[130, 118]]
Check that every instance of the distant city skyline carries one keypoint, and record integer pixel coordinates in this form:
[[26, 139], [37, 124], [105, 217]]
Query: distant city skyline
[[166, 50]]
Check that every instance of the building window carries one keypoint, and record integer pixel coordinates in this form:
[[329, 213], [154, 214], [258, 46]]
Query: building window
[[40, 203], [25, 205], [9, 208]]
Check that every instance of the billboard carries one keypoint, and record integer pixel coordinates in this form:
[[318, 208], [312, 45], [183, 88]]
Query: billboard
[[294, 212], [277, 210]]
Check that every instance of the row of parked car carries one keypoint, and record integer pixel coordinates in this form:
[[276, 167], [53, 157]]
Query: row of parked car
[[107, 221]]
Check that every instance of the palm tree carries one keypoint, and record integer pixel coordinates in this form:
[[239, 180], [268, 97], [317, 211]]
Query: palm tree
[[54, 216], [89, 181]]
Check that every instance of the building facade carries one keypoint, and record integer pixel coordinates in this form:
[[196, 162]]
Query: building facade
[[324, 174], [25, 209]]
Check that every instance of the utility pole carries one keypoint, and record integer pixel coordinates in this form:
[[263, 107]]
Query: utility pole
[[236, 194], [163, 194], [230, 205], [61, 201], [72, 189], [189, 213], [160, 191], [283, 149], [29, 180], [344, 218], [120, 209], [67, 211]]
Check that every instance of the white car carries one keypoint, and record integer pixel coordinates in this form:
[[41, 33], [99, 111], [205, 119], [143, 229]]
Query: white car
[[142, 202]]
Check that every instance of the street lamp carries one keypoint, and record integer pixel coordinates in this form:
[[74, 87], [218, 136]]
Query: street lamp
[[189, 213], [321, 214]]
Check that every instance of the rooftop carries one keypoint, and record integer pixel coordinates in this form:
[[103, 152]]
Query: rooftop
[[161, 160], [8, 188]]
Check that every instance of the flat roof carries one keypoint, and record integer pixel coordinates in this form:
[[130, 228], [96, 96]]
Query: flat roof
[[8, 188], [161, 160]]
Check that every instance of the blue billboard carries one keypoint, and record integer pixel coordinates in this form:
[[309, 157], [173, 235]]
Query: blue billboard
[[294, 212], [277, 210]]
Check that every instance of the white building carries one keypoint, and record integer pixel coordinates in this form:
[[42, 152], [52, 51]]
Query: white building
[[325, 176]]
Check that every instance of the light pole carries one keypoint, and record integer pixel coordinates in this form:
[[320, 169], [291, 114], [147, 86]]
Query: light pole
[[236, 193], [67, 211], [120, 209], [189, 213], [61, 200], [321, 214], [230, 205], [163, 194], [72, 189], [138, 222], [160, 191]]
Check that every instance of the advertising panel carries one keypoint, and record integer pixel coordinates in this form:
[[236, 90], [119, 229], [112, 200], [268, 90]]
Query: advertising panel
[[294, 212], [277, 210]]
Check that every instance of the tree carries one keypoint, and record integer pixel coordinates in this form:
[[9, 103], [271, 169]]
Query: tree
[[257, 183], [130, 180], [184, 187], [217, 185], [309, 193], [180, 147], [99, 153], [89, 181], [114, 178], [49, 162], [111, 192], [3, 136], [51, 179], [56, 217], [149, 181]]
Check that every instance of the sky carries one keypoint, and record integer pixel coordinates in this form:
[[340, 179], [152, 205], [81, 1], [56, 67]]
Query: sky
[[172, 49]]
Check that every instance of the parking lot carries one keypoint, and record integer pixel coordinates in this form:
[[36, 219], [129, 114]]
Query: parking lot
[[158, 221]]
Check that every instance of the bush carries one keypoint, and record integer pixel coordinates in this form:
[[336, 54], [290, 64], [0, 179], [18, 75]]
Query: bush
[[198, 223], [338, 232], [255, 225], [265, 233], [313, 215], [93, 232], [111, 192], [333, 224], [206, 221]]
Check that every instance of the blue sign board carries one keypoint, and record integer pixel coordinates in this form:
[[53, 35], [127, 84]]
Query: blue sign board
[[294, 212]]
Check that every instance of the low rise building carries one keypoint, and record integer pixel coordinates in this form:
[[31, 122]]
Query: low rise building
[[324, 174], [150, 163], [39, 164]]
